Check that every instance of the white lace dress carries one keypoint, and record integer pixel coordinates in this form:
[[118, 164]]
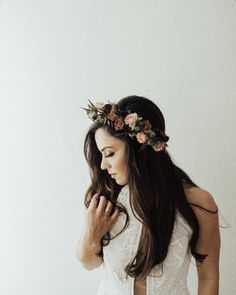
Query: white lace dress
[[124, 247]]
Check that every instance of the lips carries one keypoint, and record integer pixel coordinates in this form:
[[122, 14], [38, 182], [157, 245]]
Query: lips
[[112, 174]]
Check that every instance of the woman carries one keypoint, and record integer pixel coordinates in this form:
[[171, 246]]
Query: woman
[[145, 216]]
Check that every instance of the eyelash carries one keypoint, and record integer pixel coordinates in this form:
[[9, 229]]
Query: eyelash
[[110, 155]]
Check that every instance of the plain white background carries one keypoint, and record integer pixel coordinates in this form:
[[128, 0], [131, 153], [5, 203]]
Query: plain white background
[[54, 56]]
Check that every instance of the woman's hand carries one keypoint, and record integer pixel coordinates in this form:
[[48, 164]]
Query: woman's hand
[[99, 219]]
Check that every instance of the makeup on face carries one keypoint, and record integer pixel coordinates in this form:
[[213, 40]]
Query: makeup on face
[[113, 155]]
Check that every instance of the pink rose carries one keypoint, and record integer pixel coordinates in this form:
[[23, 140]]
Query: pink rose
[[158, 146], [131, 119], [112, 113], [141, 137], [119, 123]]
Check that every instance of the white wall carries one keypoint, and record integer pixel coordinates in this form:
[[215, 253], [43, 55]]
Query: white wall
[[54, 56]]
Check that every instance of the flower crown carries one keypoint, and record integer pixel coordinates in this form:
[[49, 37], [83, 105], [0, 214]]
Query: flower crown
[[130, 123]]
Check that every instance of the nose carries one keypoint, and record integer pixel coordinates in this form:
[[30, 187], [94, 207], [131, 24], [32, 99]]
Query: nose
[[104, 164]]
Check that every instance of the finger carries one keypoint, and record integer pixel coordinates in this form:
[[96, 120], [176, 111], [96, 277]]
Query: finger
[[102, 203], [94, 201], [108, 207], [115, 214]]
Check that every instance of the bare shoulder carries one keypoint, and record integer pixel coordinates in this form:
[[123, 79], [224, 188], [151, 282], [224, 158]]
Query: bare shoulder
[[200, 198], [205, 209]]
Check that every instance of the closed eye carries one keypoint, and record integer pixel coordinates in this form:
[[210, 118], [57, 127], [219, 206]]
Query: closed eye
[[110, 155]]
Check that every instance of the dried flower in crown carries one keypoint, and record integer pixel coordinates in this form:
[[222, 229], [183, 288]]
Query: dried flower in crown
[[129, 123], [119, 123], [141, 137]]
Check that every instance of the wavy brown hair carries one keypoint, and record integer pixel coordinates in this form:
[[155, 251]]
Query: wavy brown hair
[[155, 186]]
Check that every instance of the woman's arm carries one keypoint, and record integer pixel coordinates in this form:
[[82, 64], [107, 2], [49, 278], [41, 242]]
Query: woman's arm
[[208, 242], [97, 223], [86, 252]]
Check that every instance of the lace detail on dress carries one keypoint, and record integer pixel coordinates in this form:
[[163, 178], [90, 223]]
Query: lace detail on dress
[[173, 280], [123, 248]]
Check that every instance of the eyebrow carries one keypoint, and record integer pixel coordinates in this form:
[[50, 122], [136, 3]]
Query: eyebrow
[[106, 148]]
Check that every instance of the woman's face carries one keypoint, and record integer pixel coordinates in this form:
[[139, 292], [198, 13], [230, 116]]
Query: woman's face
[[113, 155]]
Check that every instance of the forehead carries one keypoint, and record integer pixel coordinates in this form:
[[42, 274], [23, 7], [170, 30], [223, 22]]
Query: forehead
[[103, 139]]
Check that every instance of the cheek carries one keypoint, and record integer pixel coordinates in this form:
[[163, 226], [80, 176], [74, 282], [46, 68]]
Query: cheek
[[121, 164]]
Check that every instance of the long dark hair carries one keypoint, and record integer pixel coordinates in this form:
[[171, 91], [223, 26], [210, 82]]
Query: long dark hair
[[150, 174]]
